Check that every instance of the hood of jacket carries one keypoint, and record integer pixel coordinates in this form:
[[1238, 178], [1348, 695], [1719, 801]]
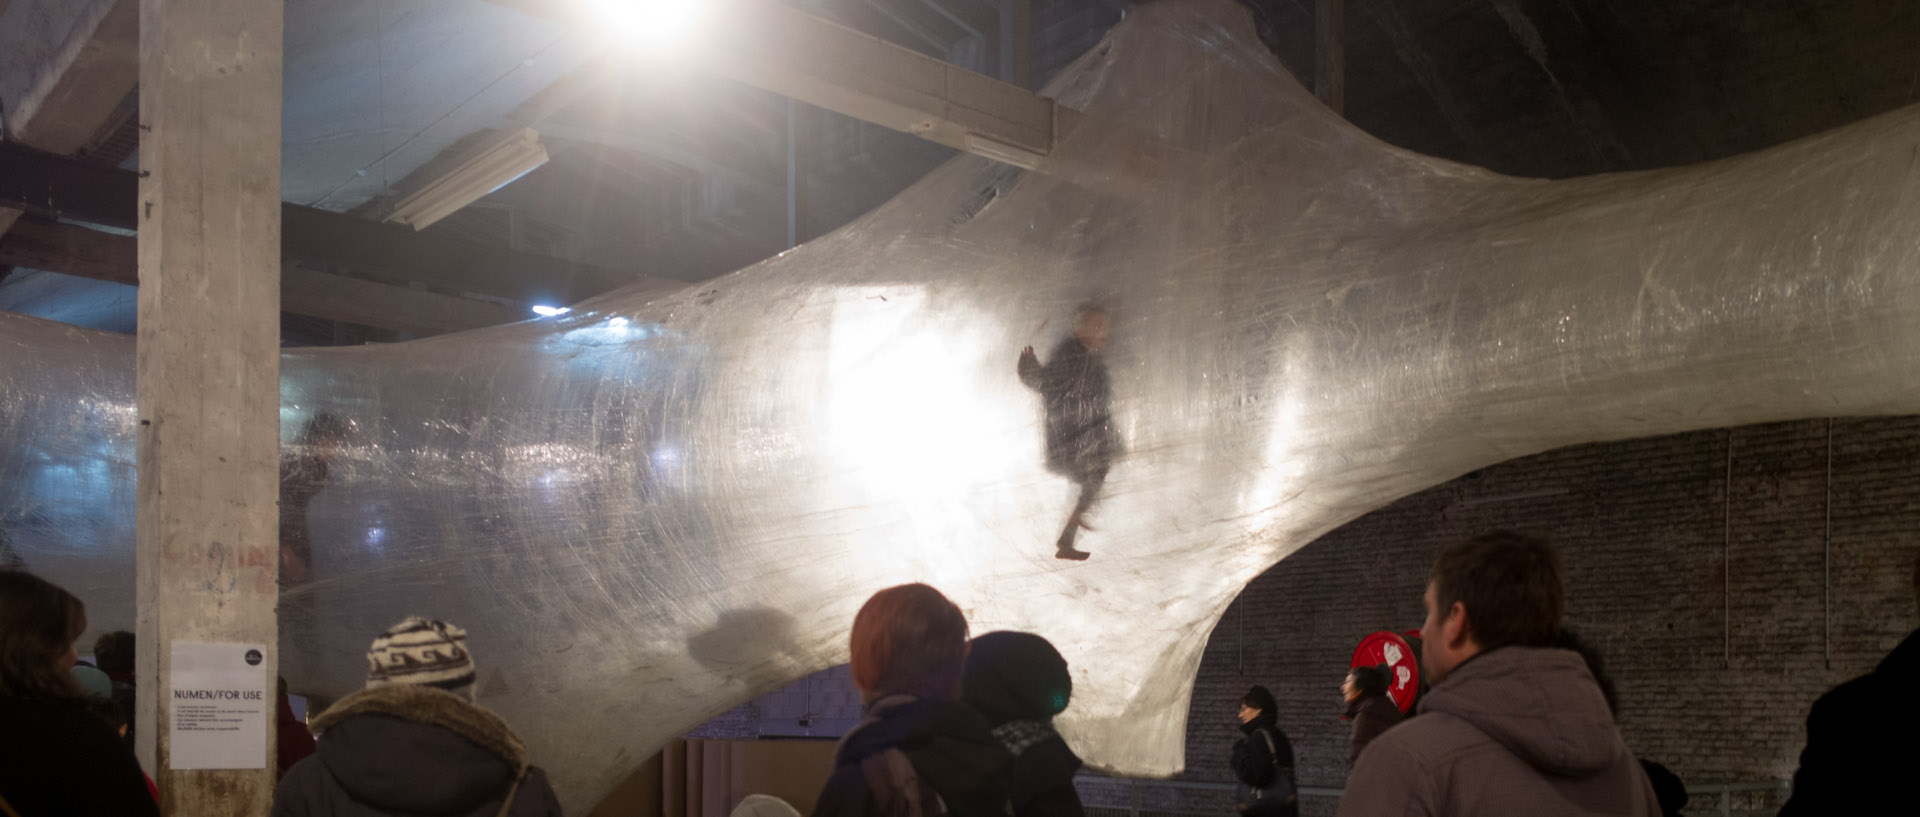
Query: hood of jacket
[[418, 749], [1541, 704], [948, 743]]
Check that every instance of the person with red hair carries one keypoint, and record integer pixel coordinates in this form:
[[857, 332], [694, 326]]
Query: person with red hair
[[918, 752]]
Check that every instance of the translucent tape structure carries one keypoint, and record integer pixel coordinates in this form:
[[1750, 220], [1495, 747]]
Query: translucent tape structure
[[654, 508]]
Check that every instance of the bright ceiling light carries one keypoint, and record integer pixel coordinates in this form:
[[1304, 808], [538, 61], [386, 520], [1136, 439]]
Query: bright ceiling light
[[545, 311], [650, 24], [495, 163]]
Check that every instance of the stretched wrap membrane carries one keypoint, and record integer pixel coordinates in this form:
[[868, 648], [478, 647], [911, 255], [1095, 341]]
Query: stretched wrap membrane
[[654, 508]]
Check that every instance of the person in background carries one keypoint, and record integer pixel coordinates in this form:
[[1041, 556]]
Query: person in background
[[1512, 726], [1081, 441], [918, 752], [1019, 682], [303, 475], [414, 742], [291, 736], [1667, 787], [56, 756], [1263, 759], [1369, 709], [92, 681], [112, 715], [113, 653], [1860, 752]]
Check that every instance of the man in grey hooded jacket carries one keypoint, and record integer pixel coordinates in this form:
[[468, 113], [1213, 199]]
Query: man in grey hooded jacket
[[1510, 726]]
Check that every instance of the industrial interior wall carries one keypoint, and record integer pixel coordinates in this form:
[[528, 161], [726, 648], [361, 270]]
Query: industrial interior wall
[[1709, 597], [658, 506]]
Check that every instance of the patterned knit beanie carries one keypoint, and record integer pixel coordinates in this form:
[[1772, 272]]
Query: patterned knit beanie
[[423, 652]]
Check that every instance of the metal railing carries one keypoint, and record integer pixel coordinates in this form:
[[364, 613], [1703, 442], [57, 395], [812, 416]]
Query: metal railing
[[1723, 791]]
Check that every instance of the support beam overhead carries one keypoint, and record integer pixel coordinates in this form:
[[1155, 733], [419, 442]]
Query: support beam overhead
[[74, 92], [57, 187], [103, 256], [789, 52]]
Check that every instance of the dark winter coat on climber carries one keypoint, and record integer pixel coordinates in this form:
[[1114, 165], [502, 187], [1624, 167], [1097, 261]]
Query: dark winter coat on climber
[[1370, 716], [414, 750], [1512, 732], [1860, 755], [1263, 762], [1074, 389], [915, 758]]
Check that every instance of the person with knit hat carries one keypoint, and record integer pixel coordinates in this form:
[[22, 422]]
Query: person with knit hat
[[1263, 759], [1019, 682], [414, 742]]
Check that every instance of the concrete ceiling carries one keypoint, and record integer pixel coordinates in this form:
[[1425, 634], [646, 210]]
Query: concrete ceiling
[[376, 88], [683, 176]]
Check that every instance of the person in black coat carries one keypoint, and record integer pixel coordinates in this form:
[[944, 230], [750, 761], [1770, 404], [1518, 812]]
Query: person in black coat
[[1081, 442], [1860, 753], [414, 742], [918, 752], [303, 475], [1263, 760], [1368, 708], [1019, 682], [56, 755]]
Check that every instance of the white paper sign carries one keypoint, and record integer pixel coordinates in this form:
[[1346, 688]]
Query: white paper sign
[[220, 700]]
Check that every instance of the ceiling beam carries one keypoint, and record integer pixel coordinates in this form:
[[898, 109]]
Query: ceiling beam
[[103, 256], [57, 187], [74, 90], [797, 55]]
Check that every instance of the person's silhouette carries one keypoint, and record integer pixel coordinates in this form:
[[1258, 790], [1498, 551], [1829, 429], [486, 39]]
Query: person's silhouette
[[304, 474], [1081, 443]]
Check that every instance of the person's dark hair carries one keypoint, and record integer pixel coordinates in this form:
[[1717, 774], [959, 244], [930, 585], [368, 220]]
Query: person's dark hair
[[1370, 680], [113, 652], [105, 709], [38, 622], [1510, 584], [909, 639], [1570, 640], [1260, 698]]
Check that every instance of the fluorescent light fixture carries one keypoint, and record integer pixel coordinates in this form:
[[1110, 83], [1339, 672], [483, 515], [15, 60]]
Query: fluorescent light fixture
[[981, 144], [545, 311], [495, 163]]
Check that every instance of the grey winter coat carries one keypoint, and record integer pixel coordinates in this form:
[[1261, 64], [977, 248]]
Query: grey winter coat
[[1516, 731], [413, 750]]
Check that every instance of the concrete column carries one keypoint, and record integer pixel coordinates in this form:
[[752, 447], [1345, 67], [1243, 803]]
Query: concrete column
[[207, 363], [1330, 54], [1016, 42]]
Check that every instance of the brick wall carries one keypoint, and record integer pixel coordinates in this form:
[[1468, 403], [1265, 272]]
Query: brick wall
[[1723, 607], [1710, 598]]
